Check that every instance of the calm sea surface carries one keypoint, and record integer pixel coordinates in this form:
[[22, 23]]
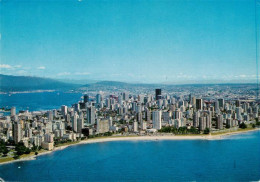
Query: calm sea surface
[[38, 101], [235, 158]]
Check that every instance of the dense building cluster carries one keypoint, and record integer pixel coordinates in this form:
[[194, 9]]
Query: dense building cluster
[[125, 113]]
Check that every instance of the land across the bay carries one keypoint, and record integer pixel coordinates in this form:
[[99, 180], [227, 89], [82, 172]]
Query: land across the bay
[[159, 136]]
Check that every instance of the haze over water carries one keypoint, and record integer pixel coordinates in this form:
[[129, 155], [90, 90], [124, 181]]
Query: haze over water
[[235, 158]]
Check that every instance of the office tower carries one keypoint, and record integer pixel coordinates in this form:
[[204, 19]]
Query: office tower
[[86, 98], [158, 94], [80, 124], [196, 116], [102, 125], [139, 117], [13, 111], [216, 106], [208, 121], [238, 103], [108, 102], [199, 104], [50, 115], [48, 138], [238, 113], [202, 123], [138, 108], [17, 131], [64, 110], [125, 96], [221, 103], [193, 101], [157, 121], [98, 100], [190, 98], [55, 113], [220, 122], [147, 115], [91, 112], [74, 119], [76, 107]]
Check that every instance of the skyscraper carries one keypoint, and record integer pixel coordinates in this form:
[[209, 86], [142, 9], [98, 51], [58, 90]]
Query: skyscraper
[[91, 114], [199, 104], [221, 103], [13, 111], [74, 122], [86, 98], [220, 122], [98, 100], [17, 128], [157, 121], [158, 94], [64, 110]]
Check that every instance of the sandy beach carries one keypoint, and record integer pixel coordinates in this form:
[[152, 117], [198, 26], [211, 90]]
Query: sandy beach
[[137, 138]]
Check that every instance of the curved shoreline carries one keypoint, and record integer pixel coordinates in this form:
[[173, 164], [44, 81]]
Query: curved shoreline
[[136, 138]]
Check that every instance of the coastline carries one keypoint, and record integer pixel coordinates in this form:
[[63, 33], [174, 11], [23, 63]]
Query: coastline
[[136, 138]]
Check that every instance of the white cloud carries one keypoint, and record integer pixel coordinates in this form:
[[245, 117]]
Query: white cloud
[[6, 66], [64, 74], [17, 66], [41, 68], [82, 73]]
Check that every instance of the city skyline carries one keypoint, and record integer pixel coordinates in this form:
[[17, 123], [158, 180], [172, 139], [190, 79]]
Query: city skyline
[[131, 41]]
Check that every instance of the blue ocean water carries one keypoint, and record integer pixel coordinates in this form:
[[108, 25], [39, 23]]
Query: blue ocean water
[[235, 158], [38, 101]]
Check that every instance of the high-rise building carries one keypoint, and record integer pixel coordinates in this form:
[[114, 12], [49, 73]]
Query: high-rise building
[[74, 120], [50, 115], [220, 122], [91, 112], [147, 115], [102, 125], [80, 124], [48, 138], [221, 103], [13, 111], [98, 100], [17, 128], [157, 119], [237, 103], [86, 98], [196, 116], [199, 104], [202, 123], [158, 94], [64, 110], [125, 96]]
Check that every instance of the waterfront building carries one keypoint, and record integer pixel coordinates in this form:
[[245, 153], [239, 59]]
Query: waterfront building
[[102, 125], [157, 122], [220, 122]]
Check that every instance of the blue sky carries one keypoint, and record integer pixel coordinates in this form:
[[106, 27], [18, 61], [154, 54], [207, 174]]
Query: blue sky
[[149, 41]]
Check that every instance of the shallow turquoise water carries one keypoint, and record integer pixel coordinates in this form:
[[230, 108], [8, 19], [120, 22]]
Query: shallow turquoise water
[[235, 158]]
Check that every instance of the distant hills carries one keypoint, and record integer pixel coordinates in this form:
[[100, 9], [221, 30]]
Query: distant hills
[[27, 83], [10, 83]]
